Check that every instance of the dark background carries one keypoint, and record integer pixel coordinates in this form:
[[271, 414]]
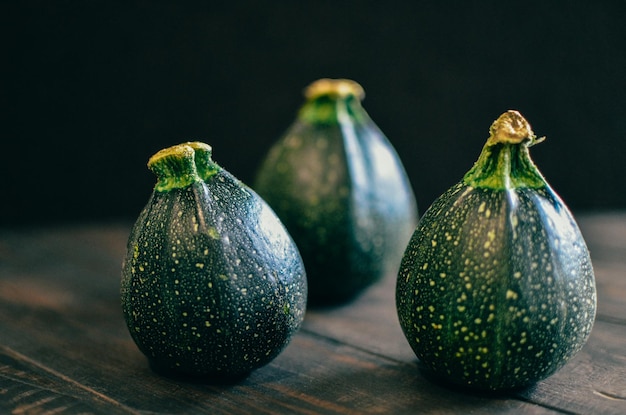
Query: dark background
[[91, 89]]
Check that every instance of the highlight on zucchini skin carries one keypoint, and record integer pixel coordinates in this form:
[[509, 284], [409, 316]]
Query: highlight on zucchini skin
[[496, 288], [341, 190], [212, 284]]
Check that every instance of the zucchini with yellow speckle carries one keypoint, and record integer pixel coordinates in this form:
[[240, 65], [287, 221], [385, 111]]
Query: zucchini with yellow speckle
[[496, 288], [212, 283], [339, 187]]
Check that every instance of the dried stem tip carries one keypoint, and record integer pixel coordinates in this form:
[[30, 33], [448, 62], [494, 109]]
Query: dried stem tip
[[512, 128], [337, 88]]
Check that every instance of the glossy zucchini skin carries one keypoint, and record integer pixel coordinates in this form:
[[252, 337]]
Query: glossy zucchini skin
[[339, 187], [496, 288], [212, 283]]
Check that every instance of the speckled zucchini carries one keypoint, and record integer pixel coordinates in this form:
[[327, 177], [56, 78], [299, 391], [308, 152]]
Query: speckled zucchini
[[496, 288], [212, 283], [339, 187]]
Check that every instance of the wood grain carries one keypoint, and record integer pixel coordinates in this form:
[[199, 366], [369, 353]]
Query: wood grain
[[64, 347]]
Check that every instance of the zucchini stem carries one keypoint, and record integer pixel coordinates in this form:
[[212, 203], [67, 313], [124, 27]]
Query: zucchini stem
[[505, 162], [325, 98], [181, 165], [511, 127], [337, 88]]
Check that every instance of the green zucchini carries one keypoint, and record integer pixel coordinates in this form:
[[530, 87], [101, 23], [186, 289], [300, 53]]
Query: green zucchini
[[339, 187], [212, 283], [496, 287]]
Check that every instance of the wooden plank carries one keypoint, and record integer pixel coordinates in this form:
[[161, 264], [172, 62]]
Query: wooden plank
[[611, 287], [25, 389], [313, 376], [370, 322], [605, 235], [61, 329], [593, 382]]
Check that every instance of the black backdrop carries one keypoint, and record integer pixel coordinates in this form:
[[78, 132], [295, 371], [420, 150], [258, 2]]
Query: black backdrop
[[91, 89]]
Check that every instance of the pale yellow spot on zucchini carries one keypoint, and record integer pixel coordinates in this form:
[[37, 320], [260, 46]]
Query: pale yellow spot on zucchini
[[511, 295], [212, 232]]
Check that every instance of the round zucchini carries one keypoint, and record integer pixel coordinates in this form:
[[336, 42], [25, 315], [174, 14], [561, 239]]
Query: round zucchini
[[496, 288], [339, 187], [212, 283]]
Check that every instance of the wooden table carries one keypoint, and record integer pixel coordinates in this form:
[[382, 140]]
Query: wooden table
[[65, 349]]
